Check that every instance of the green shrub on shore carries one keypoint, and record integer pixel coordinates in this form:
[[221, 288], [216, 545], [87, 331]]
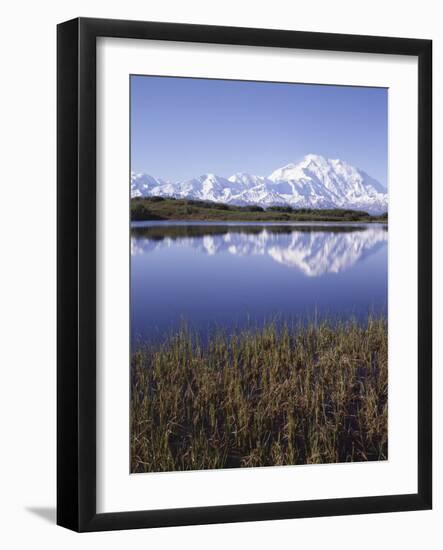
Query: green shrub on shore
[[274, 396]]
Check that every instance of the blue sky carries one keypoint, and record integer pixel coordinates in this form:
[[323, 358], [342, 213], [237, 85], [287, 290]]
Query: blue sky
[[183, 127]]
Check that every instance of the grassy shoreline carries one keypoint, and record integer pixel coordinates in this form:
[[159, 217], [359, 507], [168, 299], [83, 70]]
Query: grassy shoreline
[[159, 208], [306, 395]]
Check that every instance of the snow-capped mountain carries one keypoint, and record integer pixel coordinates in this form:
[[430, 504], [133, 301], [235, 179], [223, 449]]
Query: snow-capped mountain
[[314, 182], [314, 253]]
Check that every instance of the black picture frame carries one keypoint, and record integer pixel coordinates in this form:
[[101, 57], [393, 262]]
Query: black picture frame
[[76, 280]]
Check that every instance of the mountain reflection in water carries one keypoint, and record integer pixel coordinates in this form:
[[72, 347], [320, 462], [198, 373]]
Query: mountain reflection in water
[[312, 249]]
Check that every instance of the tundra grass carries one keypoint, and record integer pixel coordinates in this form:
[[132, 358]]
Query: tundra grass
[[266, 397]]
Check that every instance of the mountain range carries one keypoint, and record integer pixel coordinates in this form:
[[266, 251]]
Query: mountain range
[[314, 182]]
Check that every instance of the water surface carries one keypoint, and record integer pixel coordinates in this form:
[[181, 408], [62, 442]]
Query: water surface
[[231, 275]]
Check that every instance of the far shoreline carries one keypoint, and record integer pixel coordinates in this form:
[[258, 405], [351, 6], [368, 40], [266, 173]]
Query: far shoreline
[[233, 223], [162, 209]]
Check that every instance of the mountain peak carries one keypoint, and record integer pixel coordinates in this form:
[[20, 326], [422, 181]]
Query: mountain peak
[[209, 176], [240, 175], [312, 157], [245, 179]]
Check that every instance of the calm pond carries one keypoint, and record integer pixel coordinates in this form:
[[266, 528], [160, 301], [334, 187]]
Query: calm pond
[[231, 275]]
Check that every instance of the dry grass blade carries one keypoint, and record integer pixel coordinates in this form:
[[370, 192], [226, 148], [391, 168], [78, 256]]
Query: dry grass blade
[[275, 396]]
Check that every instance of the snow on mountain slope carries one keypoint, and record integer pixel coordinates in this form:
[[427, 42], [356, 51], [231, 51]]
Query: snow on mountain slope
[[314, 182], [143, 185], [323, 183]]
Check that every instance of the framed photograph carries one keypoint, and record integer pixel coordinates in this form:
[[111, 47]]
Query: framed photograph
[[244, 274]]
